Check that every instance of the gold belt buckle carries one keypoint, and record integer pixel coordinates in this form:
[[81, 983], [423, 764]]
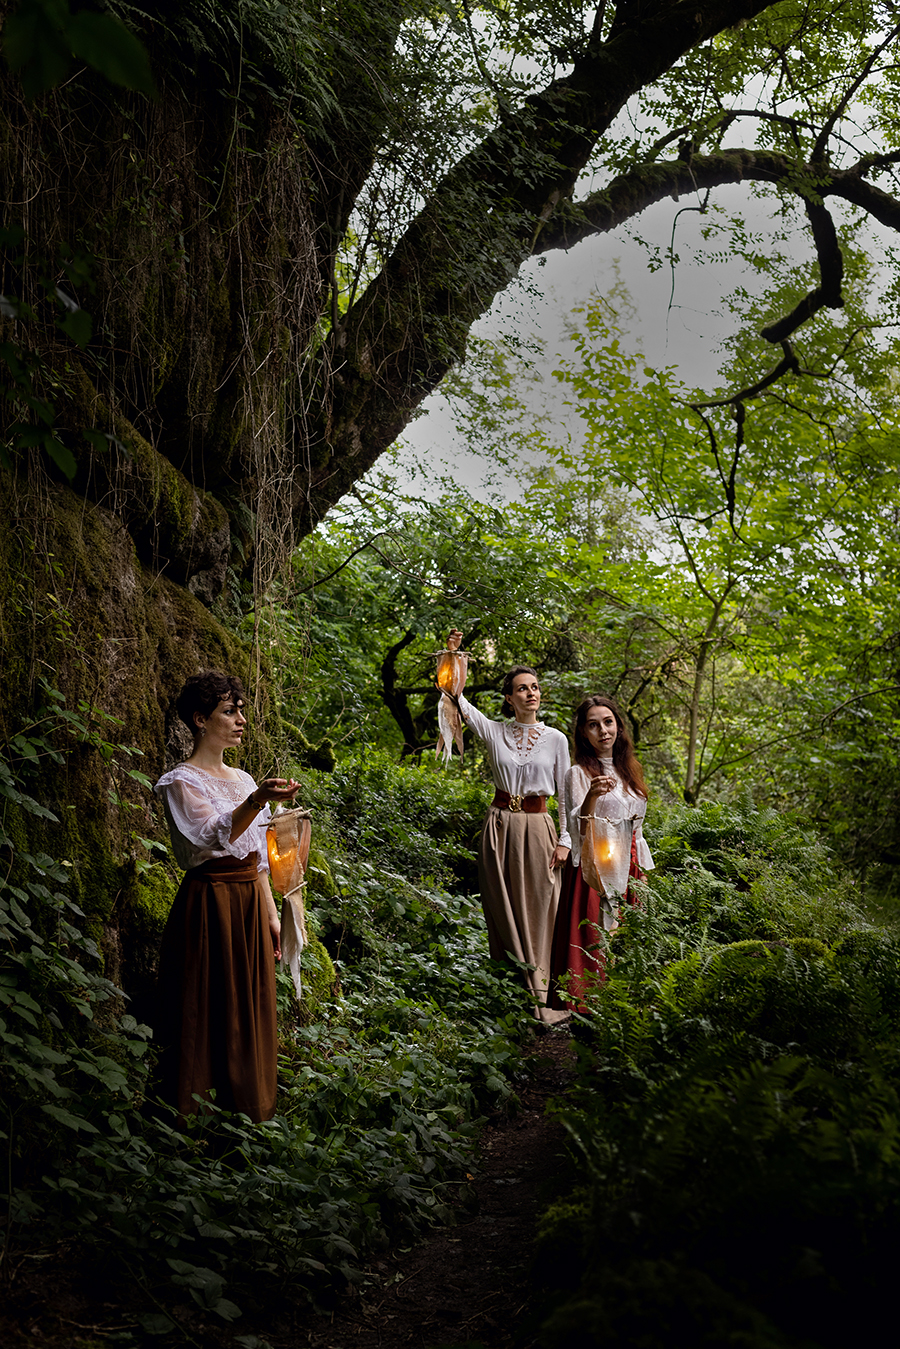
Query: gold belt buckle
[[515, 803]]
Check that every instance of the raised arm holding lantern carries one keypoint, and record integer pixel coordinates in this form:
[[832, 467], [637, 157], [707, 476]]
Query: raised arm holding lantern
[[520, 856]]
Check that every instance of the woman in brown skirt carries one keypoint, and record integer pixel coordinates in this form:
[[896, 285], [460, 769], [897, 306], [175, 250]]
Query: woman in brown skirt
[[216, 1019], [605, 780], [520, 857]]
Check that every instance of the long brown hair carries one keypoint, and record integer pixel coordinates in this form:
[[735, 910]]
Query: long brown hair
[[625, 761]]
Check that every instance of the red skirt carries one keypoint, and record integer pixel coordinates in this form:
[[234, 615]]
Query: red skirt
[[217, 1018], [578, 946]]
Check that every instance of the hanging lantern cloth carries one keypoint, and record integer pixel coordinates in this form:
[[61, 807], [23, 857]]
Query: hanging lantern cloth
[[287, 840], [452, 667]]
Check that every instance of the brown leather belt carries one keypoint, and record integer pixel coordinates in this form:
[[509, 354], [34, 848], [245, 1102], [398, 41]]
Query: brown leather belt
[[528, 805], [228, 869]]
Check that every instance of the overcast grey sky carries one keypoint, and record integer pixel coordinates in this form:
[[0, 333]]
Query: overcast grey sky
[[686, 335]]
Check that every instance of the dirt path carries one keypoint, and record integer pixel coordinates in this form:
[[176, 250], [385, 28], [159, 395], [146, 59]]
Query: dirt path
[[465, 1286], [468, 1285]]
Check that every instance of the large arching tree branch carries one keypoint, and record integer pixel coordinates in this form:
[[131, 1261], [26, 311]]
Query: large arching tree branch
[[631, 193], [474, 233], [410, 326]]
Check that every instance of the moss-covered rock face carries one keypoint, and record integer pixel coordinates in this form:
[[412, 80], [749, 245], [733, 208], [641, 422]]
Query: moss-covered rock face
[[319, 756], [174, 526], [187, 234], [318, 872], [83, 616], [320, 982]]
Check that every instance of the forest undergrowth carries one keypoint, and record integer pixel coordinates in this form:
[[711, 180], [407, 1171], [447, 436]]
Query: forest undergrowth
[[413, 1036], [735, 1120], [736, 1116]]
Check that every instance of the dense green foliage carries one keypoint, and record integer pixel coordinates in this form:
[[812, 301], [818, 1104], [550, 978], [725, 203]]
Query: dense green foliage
[[380, 587], [739, 601], [379, 1092], [738, 1106], [734, 1116]]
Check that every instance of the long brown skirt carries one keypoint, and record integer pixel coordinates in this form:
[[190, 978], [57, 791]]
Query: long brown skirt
[[520, 893], [217, 992], [578, 939]]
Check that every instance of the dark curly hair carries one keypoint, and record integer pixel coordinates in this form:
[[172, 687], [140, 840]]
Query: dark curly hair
[[203, 692], [625, 761], [507, 688]]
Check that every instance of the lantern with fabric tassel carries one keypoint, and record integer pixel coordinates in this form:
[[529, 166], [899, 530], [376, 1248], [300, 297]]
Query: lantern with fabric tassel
[[452, 667], [606, 855], [287, 840]]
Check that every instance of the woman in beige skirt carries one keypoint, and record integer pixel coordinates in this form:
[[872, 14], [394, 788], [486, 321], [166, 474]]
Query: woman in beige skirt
[[216, 991], [521, 856]]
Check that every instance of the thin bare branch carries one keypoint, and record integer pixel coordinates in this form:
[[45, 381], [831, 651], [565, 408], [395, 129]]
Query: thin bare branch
[[818, 153], [788, 364]]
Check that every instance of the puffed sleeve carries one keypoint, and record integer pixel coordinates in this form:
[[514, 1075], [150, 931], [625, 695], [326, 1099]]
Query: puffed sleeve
[[576, 787], [561, 775], [644, 857], [192, 817]]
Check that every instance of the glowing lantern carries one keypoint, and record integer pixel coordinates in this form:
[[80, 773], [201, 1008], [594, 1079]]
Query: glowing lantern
[[287, 840], [606, 854], [452, 667], [451, 671]]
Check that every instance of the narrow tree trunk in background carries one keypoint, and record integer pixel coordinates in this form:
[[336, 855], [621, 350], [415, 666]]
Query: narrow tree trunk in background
[[690, 791]]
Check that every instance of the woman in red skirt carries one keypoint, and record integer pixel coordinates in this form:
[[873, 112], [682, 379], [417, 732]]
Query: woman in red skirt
[[606, 780], [216, 990]]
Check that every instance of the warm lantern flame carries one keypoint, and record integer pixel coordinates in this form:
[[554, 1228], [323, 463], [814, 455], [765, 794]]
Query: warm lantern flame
[[275, 856], [450, 672], [287, 843], [606, 855], [452, 667]]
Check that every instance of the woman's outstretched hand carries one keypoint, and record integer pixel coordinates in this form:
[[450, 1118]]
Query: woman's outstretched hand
[[270, 789], [454, 640], [277, 789]]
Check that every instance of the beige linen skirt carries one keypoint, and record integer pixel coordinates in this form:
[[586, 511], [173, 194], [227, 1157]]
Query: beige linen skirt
[[216, 987], [520, 894]]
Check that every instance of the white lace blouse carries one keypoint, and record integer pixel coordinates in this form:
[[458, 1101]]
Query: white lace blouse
[[619, 804], [199, 807], [526, 759]]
